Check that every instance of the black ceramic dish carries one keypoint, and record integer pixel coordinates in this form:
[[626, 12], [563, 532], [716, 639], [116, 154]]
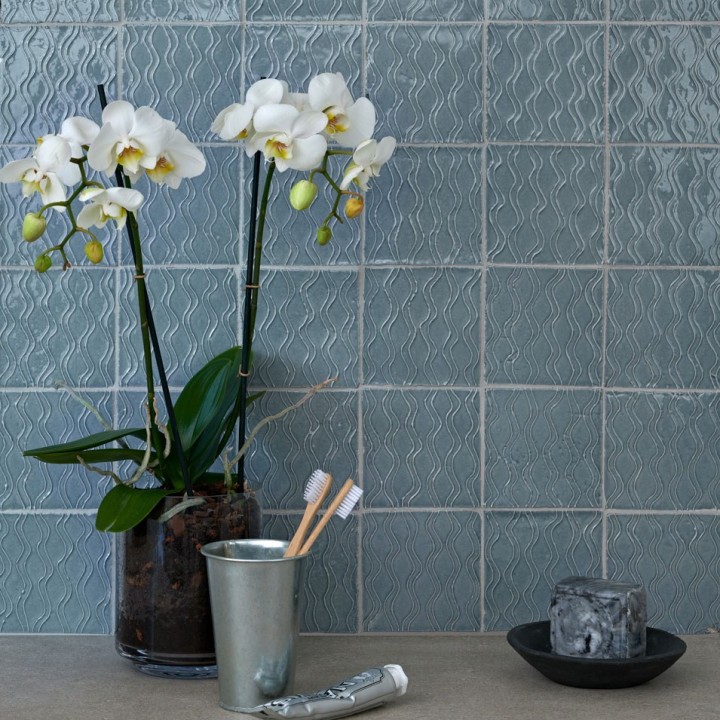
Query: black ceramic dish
[[532, 642]]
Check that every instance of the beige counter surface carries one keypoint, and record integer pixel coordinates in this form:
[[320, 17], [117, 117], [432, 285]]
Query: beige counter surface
[[451, 676]]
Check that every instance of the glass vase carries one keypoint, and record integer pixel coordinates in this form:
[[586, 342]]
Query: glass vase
[[164, 625]]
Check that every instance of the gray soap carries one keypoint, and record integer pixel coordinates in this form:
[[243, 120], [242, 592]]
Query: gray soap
[[595, 618]]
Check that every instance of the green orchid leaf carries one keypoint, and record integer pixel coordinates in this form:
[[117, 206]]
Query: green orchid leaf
[[92, 457], [125, 506], [86, 443]]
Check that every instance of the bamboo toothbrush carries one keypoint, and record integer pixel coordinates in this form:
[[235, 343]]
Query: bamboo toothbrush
[[342, 504], [316, 490]]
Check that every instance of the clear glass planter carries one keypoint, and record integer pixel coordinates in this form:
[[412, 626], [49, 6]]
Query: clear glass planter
[[164, 623]]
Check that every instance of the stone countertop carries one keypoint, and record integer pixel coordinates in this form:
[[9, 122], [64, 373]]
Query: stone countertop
[[55, 677]]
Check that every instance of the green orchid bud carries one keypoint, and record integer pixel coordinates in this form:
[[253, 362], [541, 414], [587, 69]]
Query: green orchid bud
[[33, 227], [94, 251], [324, 234], [43, 263], [303, 194], [354, 206]]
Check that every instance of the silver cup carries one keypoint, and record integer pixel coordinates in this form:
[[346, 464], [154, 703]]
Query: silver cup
[[255, 598]]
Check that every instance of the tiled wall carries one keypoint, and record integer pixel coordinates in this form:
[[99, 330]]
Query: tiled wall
[[525, 324]]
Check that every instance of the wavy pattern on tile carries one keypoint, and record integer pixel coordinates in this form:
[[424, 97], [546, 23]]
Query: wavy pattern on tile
[[664, 83], [663, 451], [428, 80], [421, 572], [543, 326], [188, 73], [547, 9], [303, 10], [322, 433], [426, 208], [298, 52], [421, 448], [422, 326], [306, 328], [654, 10], [665, 206], [677, 558], [20, 11], [182, 10], [545, 82], [195, 314], [51, 73], [53, 574], [545, 204], [526, 553], [330, 587], [453, 10], [663, 329], [50, 329], [542, 448], [38, 419]]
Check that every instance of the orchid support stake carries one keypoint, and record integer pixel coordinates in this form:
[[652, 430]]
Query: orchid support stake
[[147, 326]]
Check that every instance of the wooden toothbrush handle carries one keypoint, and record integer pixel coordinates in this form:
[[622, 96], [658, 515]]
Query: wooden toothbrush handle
[[325, 519], [297, 539]]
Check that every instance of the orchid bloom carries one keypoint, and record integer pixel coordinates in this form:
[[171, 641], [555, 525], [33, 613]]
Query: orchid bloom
[[289, 137], [178, 159], [349, 123], [235, 122], [368, 158], [110, 204], [79, 131], [129, 137]]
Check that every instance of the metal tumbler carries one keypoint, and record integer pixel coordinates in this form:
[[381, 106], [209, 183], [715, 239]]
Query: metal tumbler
[[255, 596]]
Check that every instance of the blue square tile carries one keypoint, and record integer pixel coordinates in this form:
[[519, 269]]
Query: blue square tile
[[421, 448], [50, 328], [198, 223], [664, 206], [662, 451], [677, 558], [545, 204], [330, 587], [663, 329], [196, 318], [51, 73], [31, 420], [322, 433], [422, 326], [453, 10], [526, 553], [663, 81], [542, 448], [80, 11], [188, 73], [296, 53], [426, 81], [426, 208], [306, 328], [545, 82], [543, 326], [54, 575], [182, 10], [706, 10], [421, 572], [547, 9], [258, 10]]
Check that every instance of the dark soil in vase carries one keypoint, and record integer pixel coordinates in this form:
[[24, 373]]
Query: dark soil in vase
[[163, 600]]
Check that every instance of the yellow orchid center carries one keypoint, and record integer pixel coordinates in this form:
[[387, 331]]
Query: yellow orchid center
[[32, 182], [337, 120], [162, 168], [278, 147], [129, 157], [242, 134]]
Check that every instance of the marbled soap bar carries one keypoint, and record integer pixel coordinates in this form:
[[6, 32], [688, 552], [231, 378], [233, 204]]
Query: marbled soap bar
[[595, 618]]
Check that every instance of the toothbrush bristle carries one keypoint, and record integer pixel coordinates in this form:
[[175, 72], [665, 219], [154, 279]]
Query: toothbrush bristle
[[349, 502], [315, 486]]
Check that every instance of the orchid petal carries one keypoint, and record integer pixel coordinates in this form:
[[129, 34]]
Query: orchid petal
[[265, 92], [362, 123], [121, 115], [13, 172], [275, 118], [52, 153], [79, 130], [307, 153], [90, 193], [100, 153], [69, 174], [326, 90], [385, 149], [232, 121], [52, 190], [151, 130], [125, 197], [349, 176], [91, 215], [365, 153], [308, 123], [188, 160]]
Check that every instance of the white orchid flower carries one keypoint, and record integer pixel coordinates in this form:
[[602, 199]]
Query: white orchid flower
[[235, 122], [178, 159], [46, 172], [349, 123], [129, 137], [110, 204], [368, 159], [288, 136], [79, 131]]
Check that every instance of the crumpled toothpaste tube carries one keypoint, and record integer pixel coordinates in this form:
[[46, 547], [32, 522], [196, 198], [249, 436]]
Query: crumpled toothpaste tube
[[366, 690]]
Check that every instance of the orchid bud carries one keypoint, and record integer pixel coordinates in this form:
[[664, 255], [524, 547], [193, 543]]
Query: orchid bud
[[354, 206], [94, 251], [43, 263], [303, 194], [33, 227], [324, 234]]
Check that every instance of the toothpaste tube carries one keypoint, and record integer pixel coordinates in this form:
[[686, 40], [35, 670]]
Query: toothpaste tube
[[364, 691]]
